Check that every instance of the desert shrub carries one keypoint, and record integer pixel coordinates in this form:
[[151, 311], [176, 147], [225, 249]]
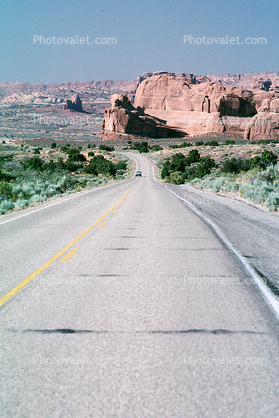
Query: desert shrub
[[6, 205], [218, 184], [103, 147], [204, 167], [53, 145], [5, 158], [165, 170], [121, 165], [263, 192], [34, 163], [179, 163], [199, 143], [70, 166], [5, 176], [140, 146], [185, 144], [99, 165], [36, 151], [156, 148], [5, 190], [273, 201], [74, 155], [21, 203], [176, 178], [193, 157], [267, 158], [91, 154], [229, 142], [212, 143], [270, 173], [235, 166]]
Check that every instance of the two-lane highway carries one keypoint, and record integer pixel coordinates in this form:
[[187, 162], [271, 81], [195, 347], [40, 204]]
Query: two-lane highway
[[132, 308]]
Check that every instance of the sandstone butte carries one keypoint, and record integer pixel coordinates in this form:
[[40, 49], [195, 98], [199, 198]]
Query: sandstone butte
[[167, 104], [74, 103]]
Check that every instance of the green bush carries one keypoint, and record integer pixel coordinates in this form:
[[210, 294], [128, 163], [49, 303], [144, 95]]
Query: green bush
[[212, 143], [179, 162], [5, 190], [103, 147], [35, 163], [141, 146], [204, 167], [267, 158], [99, 165], [121, 165], [91, 154], [5, 176], [53, 145], [176, 178], [235, 166], [74, 154], [193, 156], [156, 148]]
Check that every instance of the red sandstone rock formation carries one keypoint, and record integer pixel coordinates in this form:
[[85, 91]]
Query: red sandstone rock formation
[[265, 125], [194, 109], [123, 118], [74, 103], [205, 107]]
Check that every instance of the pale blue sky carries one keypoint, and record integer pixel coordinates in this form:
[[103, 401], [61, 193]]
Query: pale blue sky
[[149, 37]]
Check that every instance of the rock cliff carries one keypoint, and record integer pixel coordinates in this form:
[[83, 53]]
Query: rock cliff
[[208, 106], [124, 118], [265, 124], [181, 104]]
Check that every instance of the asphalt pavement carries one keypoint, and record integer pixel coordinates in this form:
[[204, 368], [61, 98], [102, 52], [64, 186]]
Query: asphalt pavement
[[121, 302]]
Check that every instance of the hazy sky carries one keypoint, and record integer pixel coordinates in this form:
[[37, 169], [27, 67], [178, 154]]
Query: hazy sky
[[148, 36]]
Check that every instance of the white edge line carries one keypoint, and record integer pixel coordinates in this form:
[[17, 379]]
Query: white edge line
[[263, 288]]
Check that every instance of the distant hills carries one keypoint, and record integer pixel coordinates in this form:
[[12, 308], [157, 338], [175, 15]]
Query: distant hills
[[16, 92]]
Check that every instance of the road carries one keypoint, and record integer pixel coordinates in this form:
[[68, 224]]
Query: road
[[126, 304], [254, 232]]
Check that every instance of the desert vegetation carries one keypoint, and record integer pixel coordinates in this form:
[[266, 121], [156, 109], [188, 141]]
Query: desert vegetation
[[29, 175], [256, 178]]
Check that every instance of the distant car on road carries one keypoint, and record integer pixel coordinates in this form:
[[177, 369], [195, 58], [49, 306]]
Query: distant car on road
[[138, 173]]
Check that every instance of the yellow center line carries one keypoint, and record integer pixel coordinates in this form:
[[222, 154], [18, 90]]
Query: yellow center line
[[114, 211], [56, 256], [100, 226], [66, 258]]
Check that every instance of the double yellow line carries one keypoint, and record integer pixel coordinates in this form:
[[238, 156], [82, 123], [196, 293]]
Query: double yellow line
[[56, 256]]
